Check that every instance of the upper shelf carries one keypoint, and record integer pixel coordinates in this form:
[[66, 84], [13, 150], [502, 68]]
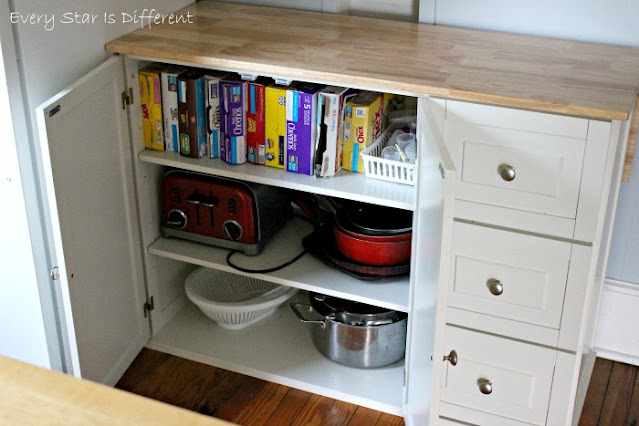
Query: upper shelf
[[549, 75], [353, 186]]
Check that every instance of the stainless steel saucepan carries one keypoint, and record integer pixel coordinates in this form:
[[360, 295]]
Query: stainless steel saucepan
[[370, 344]]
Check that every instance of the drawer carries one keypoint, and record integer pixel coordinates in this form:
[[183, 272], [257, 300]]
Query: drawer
[[508, 275], [516, 159], [495, 377]]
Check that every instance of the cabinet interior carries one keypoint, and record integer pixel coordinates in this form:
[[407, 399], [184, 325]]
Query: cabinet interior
[[279, 348]]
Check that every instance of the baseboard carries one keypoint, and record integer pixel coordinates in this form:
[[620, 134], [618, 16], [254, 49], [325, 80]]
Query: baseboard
[[617, 338]]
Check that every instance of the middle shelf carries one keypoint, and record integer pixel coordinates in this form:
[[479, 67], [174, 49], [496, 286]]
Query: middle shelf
[[307, 273], [353, 186]]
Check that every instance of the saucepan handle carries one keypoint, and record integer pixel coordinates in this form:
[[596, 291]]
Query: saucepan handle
[[304, 312]]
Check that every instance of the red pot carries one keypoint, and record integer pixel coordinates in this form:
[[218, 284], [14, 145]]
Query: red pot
[[391, 250]]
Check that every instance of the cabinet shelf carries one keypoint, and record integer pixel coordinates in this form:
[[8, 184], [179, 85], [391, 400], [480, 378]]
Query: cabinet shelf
[[308, 273], [353, 186], [280, 349]]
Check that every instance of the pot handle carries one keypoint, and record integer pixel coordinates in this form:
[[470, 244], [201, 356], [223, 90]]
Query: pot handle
[[300, 309]]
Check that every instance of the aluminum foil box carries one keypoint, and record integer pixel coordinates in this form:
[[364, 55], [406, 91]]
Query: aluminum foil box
[[151, 104], [301, 128], [233, 121], [363, 121], [275, 125]]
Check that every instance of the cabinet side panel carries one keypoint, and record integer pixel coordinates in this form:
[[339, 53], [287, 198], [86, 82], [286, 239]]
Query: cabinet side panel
[[592, 193], [164, 277]]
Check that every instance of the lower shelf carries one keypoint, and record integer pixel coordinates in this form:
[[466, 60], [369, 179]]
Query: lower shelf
[[280, 349]]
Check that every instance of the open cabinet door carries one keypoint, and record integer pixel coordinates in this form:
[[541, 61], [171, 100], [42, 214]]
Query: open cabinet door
[[89, 194], [432, 223]]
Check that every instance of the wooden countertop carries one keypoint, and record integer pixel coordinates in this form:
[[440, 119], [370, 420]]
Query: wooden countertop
[[32, 395], [575, 78], [542, 74]]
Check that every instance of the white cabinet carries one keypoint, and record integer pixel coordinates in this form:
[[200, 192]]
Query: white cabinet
[[521, 285], [509, 216], [105, 189]]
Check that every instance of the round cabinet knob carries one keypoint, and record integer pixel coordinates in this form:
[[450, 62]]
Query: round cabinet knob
[[176, 219], [506, 171], [485, 386], [495, 286], [233, 230], [451, 357]]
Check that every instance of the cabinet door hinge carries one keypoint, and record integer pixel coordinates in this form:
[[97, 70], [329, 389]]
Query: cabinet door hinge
[[127, 99], [148, 306]]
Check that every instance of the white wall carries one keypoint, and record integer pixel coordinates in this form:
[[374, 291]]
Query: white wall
[[22, 329]]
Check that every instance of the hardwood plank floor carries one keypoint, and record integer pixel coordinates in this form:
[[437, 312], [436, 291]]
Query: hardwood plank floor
[[612, 399]]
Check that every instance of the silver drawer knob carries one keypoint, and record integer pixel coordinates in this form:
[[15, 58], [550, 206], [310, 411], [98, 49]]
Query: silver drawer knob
[[485, 386], [506, 171], [495, 286], [451, 357]]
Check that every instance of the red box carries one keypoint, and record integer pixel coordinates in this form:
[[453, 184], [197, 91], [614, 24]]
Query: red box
[[255, 118]]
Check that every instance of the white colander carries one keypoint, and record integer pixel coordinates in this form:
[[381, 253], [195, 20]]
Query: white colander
[[234, 301]]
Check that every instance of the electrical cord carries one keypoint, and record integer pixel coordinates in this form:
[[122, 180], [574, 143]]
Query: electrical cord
[[261, 271], [267, 270]]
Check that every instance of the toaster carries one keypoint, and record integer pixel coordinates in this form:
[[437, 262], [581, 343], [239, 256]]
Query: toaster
[[222, 211]]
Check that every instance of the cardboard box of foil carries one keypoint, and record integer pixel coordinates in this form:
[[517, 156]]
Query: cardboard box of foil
[[330, 108], [301, 128], [192, 113], [363, 122], [213, 97], [275, 125], [168, 79], [255, 121], [233, 121], [151, 104]]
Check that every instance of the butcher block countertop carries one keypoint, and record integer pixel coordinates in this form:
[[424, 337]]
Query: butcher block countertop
[[31, 395], [542, 74]]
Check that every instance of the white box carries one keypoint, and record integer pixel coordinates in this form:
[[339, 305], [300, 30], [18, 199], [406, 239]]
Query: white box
[[330, 116], [212, 82], [168, 81]]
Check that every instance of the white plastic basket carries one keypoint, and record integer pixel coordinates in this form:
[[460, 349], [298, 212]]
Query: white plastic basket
[[380, 168], [234, 301]]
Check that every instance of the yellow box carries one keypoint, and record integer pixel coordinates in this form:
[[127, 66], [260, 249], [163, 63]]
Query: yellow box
[[151, 102], [275, 125], [363, 121]]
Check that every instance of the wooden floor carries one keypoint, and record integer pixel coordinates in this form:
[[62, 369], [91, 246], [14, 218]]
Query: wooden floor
[[613, 395]]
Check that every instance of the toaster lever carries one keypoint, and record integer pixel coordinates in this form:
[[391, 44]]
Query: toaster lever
[[193, 199], [210, 202]]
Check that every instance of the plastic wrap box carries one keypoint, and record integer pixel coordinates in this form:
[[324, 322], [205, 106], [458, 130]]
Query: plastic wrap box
[[330, 111], [255, 121], [191, 109], [212, 84], [168, 79]]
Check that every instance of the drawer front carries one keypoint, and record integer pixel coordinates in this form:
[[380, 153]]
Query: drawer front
[[505, 159], [497, 376], [508, 275]]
